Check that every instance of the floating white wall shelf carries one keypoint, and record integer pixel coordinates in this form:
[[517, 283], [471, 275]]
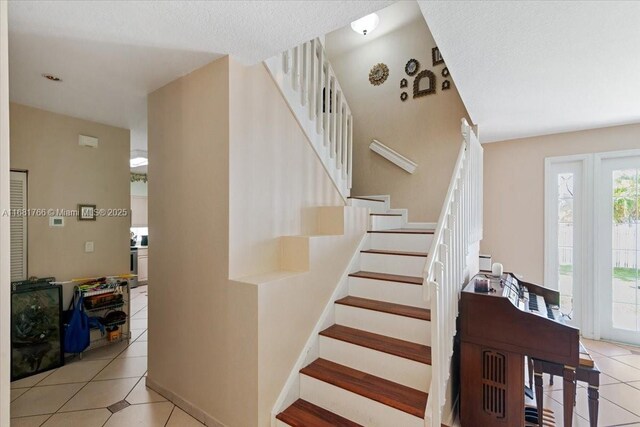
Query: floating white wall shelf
[[393, 156]]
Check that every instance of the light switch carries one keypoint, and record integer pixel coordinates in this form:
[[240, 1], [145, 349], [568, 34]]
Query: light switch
[[88, 246]]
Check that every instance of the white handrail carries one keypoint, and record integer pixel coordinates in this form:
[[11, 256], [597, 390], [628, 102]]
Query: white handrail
[[310, 87], [459, 226]]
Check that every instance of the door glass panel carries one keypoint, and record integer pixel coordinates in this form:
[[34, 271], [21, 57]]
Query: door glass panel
[[625, 249], [565, 241]]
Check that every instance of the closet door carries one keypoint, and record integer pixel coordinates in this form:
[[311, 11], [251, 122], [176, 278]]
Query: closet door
[[18, 194]]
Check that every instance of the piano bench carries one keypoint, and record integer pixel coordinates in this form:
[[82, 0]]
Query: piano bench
[[587, 371]]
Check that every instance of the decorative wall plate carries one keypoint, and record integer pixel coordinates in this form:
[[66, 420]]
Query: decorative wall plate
[[404, 83], [446, 85], [378, 74], [436, 57], [445, 72], [412, 67], [403, 96], [424, 84]]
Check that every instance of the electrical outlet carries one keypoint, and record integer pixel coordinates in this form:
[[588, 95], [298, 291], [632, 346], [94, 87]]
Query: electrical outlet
[[88, 247]]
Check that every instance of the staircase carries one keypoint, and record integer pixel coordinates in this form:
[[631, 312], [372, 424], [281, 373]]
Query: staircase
[[374, 363], [382, 352]]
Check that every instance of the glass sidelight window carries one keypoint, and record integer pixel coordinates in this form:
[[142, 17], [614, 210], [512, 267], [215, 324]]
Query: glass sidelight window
[[565, 239], [564, 195], [624, 249]]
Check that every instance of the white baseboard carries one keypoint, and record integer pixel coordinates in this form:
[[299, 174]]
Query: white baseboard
[[184, 404]]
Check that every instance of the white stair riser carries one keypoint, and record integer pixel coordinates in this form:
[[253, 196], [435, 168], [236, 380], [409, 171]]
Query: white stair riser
[[354, 407], [401, 241], [393, 264], [391, 325], [382, 290], [384, 222], [393, 368], [376, 207]]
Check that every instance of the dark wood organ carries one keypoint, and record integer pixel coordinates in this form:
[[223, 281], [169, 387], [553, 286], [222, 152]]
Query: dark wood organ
[[498, 328]]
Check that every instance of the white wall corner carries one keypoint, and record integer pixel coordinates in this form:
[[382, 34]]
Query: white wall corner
[[393, 156]]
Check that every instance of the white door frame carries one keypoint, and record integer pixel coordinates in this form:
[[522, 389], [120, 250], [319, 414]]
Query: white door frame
[[600, 238], [5, 257], [593, 235], [584, 298]]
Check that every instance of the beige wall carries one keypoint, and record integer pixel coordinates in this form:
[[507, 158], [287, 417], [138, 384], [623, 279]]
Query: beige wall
[[63, 174], [426, 130], [276, 178], [514, 191], [230, 174], [202, 328], [5, 289], [276, 184]]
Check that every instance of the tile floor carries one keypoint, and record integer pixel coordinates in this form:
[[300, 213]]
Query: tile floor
[[79, 393], [619, 387]]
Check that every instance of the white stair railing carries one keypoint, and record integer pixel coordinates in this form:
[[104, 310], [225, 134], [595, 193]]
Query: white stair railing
[[310, 87], [459, 226]]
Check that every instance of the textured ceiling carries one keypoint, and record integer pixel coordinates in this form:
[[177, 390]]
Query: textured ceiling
[[392, 18], [533, 68], [111, 54]]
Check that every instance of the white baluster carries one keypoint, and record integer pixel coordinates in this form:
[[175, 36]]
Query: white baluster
[[338, 132], [345, 143], [312, 79], [285, 62], [304, 70], [436, 379], [334, 115], [319, 87], [326, 117], [350, 152], [295, 69]]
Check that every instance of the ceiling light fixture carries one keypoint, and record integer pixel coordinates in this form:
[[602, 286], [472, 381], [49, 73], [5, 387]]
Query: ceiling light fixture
[[138, 161], [366, 24], [52, 78], [138, 158]]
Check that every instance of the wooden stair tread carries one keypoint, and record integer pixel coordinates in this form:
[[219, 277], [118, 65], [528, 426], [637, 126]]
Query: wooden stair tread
[[388, 252], [412, 280], [385, 214], [384, 391], [386, 307], [405, 349], [404, 231], [365, 198], [304, 414]]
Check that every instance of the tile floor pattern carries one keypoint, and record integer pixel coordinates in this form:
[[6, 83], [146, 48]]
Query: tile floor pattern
[[619, 387], [79, 393]]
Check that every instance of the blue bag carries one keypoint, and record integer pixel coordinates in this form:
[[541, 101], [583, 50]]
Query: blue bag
[[76, 333]]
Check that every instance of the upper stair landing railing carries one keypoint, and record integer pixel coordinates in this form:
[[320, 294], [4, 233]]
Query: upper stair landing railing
[[310, 87], [459, 227]]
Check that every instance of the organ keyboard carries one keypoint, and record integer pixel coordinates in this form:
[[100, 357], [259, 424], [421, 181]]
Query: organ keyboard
[[497, 329]]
